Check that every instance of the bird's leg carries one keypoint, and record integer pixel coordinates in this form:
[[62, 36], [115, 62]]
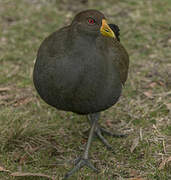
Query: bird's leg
[[100, 130], [84, 160]]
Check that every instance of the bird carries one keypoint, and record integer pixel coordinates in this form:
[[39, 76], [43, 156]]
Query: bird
[[82, 68]]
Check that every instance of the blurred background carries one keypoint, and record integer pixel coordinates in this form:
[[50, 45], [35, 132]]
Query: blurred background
[[36, 138]]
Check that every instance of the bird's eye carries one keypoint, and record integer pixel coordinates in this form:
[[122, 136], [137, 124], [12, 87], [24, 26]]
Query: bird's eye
[[91, 21]]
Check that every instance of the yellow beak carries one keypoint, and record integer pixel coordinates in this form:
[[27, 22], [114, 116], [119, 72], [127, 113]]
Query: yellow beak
[[106, 30]]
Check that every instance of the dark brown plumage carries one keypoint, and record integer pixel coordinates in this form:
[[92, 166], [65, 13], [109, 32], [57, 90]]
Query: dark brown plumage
[[82, 68]]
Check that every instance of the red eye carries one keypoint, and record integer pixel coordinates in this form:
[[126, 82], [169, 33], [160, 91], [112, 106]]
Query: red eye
[[91, 21]]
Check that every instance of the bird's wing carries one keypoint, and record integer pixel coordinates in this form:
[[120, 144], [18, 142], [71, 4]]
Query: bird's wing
[[121, 59]]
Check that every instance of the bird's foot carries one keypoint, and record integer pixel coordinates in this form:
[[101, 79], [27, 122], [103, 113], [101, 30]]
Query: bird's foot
[[99, 133], [107, 132], [79, 163]]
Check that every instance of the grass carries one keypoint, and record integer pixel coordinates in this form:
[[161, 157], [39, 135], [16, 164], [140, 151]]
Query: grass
[[37, 138]]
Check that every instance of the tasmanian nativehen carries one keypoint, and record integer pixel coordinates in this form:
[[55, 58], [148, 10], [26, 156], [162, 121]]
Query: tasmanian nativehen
[[82, 68]]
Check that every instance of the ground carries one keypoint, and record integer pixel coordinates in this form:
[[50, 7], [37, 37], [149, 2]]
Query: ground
[[36, 138]]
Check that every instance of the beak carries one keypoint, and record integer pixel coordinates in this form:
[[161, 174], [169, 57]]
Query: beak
[[106, 30]]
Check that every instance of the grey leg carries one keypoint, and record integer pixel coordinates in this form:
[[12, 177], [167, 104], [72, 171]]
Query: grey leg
[[84, 161], [99, 131]]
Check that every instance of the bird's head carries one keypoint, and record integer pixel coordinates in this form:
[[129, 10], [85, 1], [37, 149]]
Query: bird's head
[[92, 22]]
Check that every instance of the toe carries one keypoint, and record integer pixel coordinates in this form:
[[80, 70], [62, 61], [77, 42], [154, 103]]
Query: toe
[[98, 133]]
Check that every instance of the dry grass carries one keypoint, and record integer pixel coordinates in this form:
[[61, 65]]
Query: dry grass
[[35, 138]]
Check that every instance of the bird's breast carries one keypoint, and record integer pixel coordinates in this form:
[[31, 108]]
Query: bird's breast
[[82, 82]]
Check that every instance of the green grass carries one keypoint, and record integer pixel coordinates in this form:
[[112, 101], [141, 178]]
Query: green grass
[[37, 138]]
